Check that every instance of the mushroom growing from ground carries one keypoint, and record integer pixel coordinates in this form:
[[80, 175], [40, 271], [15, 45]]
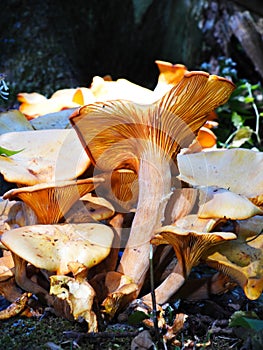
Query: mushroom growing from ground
[[189, 247], [59, 249], [46, 155], [237, 170], [121, 134], [50, 202]]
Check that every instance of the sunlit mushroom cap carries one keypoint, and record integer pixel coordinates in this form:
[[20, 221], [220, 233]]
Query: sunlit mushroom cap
[[50, 201], [243, 262], [34, 104], [217, 202], [56, 247], [189, 245], [169, 75], [114, 133], [46, 155], [238, 170], [105, 90], [90, 208]]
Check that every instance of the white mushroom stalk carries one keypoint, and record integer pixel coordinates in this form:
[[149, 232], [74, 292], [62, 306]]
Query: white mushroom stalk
[[147, 138]]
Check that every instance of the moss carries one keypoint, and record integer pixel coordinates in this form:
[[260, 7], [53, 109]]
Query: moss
[[32, 333]]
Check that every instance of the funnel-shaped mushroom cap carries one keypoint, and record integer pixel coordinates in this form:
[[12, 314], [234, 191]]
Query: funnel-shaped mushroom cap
[[217, 202], [169, 75], [47, 155], [242, 261], [121, 187], [114, 132], [51, 201], [57, 247], [189, 246], [238, 170]]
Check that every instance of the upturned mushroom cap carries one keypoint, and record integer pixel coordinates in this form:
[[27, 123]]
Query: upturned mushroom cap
[[121, 186], [169, 75], [238, 170], [115, 133], [52, 200], [189, 246], [47, 155], [57, 247], [217, 202], [243, 262]]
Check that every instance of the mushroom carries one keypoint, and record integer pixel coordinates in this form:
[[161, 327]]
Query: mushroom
[[169, 75], [121, 134], [243, 262], [79, 295], [60, 249], [51, 201], [46, 155], [90, 208], [189, 247], [217, 202], [223, 168], [34, 104]]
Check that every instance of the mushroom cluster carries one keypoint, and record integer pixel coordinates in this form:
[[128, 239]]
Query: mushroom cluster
[[132, 169]]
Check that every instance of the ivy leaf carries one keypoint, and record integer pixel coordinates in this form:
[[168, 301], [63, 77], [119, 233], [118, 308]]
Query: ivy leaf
[[7, 152]]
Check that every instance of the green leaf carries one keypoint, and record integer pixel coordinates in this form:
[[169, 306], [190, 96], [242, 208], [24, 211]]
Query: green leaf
[[243, 135], [237, 120], [137, 317], [7, 152], [246, 319], [249, 99]]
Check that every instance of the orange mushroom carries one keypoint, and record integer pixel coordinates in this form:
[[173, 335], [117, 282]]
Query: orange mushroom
[[118, 134]]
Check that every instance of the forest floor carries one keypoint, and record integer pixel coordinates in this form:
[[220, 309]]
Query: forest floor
[[206, 327]]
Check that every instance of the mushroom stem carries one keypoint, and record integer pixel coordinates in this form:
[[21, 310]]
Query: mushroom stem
[[167, 289], [154, 178]]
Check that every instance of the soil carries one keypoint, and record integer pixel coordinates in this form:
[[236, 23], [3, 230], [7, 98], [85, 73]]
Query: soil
[[206, 327]]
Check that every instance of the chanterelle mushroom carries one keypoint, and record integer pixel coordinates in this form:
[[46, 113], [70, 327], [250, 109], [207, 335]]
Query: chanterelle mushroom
[[189, 247], [57, 248], [121, 134], [46, 155], [50, 202]]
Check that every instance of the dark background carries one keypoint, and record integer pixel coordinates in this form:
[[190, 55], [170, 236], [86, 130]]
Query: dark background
[[52, 44]]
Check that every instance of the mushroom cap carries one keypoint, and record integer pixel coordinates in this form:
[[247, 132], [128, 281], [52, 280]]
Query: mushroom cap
[[52, 200], [120, 186], [105, 90], [189, 246], [238, 170], [90, 208], [217, 202], [56, 247], [47, 155], [114, 133]]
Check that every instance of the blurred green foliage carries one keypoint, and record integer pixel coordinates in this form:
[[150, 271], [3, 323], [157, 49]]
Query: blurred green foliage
[[240, 119]]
